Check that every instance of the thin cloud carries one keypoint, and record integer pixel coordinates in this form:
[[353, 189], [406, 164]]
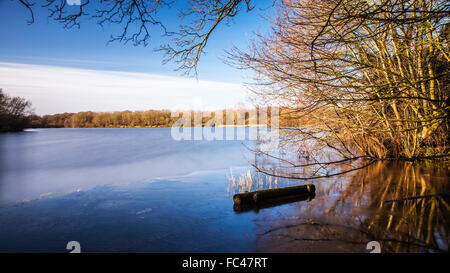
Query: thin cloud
[[54, 89]]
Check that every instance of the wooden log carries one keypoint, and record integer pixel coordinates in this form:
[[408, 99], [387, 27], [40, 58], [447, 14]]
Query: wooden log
[[274, 202], [266, 195], [249, 200], [244, 199]]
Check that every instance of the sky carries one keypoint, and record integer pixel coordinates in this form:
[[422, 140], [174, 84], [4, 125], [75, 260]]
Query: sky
[[72, 70]]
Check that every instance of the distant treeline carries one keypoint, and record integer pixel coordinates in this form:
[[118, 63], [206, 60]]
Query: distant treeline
[[150, 118], [16, 115]]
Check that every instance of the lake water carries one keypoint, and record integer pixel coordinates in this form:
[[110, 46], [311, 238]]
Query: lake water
[[138, 190]]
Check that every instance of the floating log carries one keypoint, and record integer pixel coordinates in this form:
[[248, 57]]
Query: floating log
[[249, 200], [266, 195], [274, 202], [244, 199]]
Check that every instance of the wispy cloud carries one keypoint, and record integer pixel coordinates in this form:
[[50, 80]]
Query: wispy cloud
[[55, 89], [54, 61]]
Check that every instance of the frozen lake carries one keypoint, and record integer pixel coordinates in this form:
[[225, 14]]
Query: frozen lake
[[138, 190]]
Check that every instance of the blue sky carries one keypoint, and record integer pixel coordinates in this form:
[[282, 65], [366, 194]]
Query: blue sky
[[30, 55]]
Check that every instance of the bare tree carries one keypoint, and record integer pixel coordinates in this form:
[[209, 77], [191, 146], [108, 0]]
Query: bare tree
[[372, 80], [14, 112], [139, 18]]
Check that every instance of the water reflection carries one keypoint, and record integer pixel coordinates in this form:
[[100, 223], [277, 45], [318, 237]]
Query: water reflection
[[350, 211]]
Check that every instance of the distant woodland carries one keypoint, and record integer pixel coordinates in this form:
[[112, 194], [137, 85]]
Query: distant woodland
[[150, 118], [16, 115]]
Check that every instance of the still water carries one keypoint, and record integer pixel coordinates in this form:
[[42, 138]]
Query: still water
[[138, 190]]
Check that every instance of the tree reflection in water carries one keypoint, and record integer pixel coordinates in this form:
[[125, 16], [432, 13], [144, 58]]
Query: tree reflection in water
[[351, 210]]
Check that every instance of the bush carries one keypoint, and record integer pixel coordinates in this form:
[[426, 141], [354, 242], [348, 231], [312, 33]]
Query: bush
[[14, 113]]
